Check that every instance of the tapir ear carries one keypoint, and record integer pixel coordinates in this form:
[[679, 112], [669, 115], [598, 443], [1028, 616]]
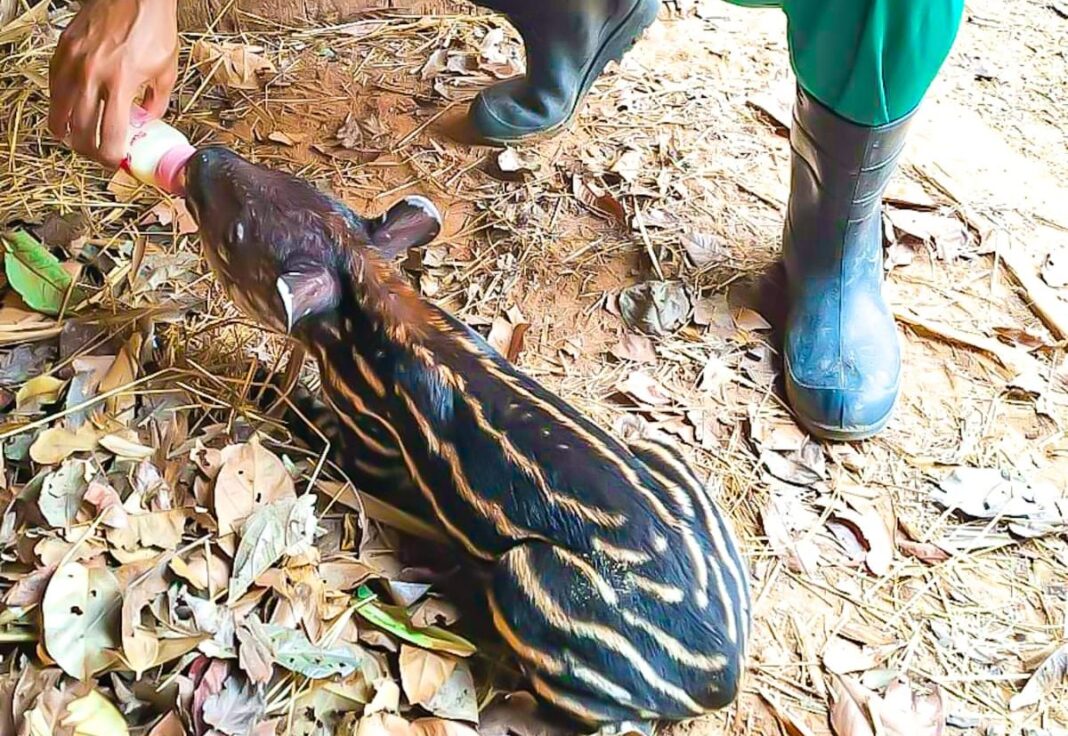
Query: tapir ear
[[409, 223], [307, 291]]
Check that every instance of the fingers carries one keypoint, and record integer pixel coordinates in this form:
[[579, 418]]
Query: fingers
[[158, 93], [61, 93], [84, 121], [115, 121]]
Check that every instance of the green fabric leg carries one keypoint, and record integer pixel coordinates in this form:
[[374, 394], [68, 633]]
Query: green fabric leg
[[871, 61]]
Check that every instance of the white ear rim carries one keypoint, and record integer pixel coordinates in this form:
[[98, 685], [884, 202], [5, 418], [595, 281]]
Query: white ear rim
[[424, 204], [287, 300]]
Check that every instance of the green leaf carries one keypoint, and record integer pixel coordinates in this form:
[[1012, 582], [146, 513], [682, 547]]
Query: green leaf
[[35, 273], [394, 619]]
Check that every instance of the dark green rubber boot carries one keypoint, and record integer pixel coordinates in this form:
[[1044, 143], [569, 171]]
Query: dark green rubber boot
[[568, 44], [842, 355]]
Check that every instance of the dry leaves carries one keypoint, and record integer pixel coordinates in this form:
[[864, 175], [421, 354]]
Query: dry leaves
[[232, 65]]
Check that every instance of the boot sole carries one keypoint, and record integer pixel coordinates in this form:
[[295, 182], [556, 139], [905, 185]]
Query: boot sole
[[637, 21], [837, 434]]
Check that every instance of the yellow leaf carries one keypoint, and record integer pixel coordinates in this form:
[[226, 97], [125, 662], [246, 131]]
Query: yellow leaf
[[41, 390], [93, 715], [58, 443]]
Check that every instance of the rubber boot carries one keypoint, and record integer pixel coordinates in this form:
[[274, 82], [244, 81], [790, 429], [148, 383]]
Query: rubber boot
[[842, 355], [568, 44]]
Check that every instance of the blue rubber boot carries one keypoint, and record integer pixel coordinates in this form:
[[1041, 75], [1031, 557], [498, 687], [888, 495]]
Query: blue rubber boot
[[842, 356], [568, 43]]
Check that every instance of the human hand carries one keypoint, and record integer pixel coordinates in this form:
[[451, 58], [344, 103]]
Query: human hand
[[107, 53]]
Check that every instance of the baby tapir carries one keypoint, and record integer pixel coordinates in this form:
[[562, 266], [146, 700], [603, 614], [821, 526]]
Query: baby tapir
[[614, 578]]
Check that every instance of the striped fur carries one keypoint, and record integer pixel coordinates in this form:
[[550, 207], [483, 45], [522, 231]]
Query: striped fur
[[615, 579]]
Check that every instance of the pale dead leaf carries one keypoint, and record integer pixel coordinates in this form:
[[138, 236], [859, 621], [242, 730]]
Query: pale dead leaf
[[56, 444], [108, 502], [628, 165], [654, 307], [251, 476], [749, 320], [903, 712], [703, 249], [1052, 673], [638, 348], [848, 716], [94, 715], [645, 389], [170, 725], [423, 673], [232, 65], [201, 573], [82, 611]]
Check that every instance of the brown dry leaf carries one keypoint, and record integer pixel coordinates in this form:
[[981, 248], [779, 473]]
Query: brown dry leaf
[[792, 724], [232, 65], [903, 712], [1052, 673], [384, 724], [423, 673], [441, 727], [29, 589], [172, 210], [645, 389], [254, 655], [123, 372], [654, 307], [749, 320], [703, 249], [251, 477], [124, 187], [638, 348], [140, 645], [171, 725], [159, 529], [125, 447], [599, 201], [873, 533], [285, 139], [211, 575], [434, 612], [848, 716]]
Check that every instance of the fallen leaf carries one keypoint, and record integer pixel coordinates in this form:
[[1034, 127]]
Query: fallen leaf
[[172, 210], [126, 448], [441, 727], [35, 274], [945, 232], [988, 493], [874, 534], [628, 165], [62, 492], [749, 320], [638, 348], [141, 645], [654, 307], [423, 673], [703, 249], [1052, 673], [285, 139], [435, 64], [232, 65], [22, 26], [284, 527], [510, 161], [108, 503], [345, 575], [94, 715], [384, 724], [847, 713], [600, 202], [159, 529], [56, 444], [29, 589], [170, 725], [251, 477], [394, 619], [645, 389], [292, 649], [517, 714], [387, 697], [349, 134], [81, 612], [203, 573], [38, 392], [456, 697], [236, 708], [903, 712], [254, 654], [124, 187]]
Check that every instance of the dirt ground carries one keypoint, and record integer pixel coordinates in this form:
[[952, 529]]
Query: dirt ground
[[861, 575]]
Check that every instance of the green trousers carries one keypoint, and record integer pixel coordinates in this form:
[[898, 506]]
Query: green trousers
[[871, 61]]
